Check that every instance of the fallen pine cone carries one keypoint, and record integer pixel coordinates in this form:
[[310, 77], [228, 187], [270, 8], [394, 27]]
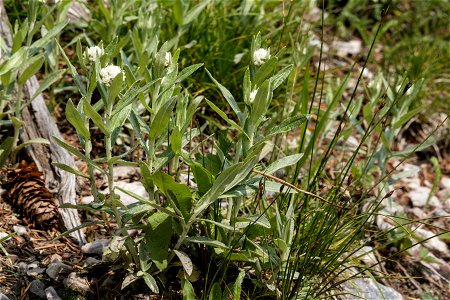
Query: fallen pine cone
[[26, 192]]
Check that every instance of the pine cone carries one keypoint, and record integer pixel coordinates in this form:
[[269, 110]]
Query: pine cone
[[26, 192]]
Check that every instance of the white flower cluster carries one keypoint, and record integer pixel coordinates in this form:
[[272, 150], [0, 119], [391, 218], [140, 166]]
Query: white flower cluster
[[253, 95], [94, 52], [167, 59], [260, 55], [49, 1], [110, 72]]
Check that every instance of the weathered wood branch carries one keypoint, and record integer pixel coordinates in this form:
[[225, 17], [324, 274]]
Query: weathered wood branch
[[39, 123]]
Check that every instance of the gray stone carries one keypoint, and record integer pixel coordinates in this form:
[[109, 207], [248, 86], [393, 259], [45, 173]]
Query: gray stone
[[96, 247], [419, 197], [3, 235], [77, 284], [20, 230], [369, 289], [37, 287], [90, 261], [51, 294], [432, 242], [3, 297], [57, 268]]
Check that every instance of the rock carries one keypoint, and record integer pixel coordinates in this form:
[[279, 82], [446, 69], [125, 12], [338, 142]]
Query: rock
[[4, 235], [418, 213], [34, 269], [134, 187], [51, 294], [367, 256], [57, 268], [3, 297], [90, 261], [55, 258], [20, 230], [77, 284], [432, 243], [351, 48], [419, 197], [37, 287], [121, 172], [445, 183], [22, 267], [369, 289], [96, 247]]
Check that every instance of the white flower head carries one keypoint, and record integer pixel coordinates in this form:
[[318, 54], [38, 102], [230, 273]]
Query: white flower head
[[49, 1], [94, 52], [167, 59], [110, 72], [260, 55], [253, 95]]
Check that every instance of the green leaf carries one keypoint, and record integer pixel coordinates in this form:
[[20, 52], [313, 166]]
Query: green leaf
[[261, 104], [175, 140], [34, 66], [281, 76], [406, 117], [130, 96], [69, 169], [115, 88], [207, 241], [151, 283], [216, 292], [230, 99], [6, 148], [162, 118], [265, 71], [77, 153], [157, 238], [78, 79], [228, 179], [225, 117], [14, 62], [94, 116], [188, 290], [186, 72], [48, 81], [134, 121], [167, 211], [118, 119], [283, 163], [183, 195], [185, 261], [177, 9], [75, 118], [194, 12], [237, 286], [49, 36], [203, 178], [32, 141], [287, 125]]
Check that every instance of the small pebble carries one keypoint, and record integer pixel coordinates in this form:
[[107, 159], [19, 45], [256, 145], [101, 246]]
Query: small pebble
[[51, 294], [3, 297], [96, 247], [90, 261], [3, 235], [55, 269], [77, 284], [37, 287], [20, 230]]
